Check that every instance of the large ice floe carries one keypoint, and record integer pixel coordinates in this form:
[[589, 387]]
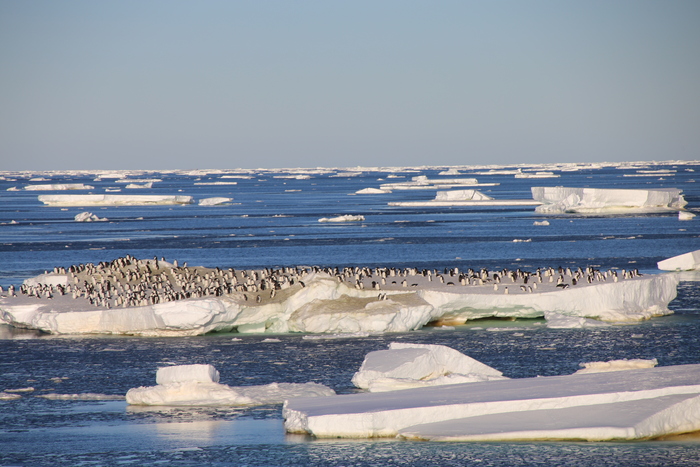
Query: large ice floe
[[465, 198], [634, 404], [157, 298], [685, 262], [198, 385], [405, 366], [113, 200], [58, 187], [606, 201]]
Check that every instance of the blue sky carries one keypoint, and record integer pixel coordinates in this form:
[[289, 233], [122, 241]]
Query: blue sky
[[224, 84]]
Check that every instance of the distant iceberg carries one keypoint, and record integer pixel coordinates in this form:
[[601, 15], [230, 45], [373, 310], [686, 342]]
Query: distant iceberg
[[216, 201], [88, 217], [685, 262], [59, 187], [372, 191], [113, 200], [345, 218], [465, 198], [606, 201]]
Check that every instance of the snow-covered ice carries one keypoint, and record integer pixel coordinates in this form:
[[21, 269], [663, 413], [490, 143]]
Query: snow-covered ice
[[632, 404], [606, 201], [685, 262], [685, 215], [88, 217], [461, 195], [616, 365], [372, 191], [404, 366], [113, 200], [198, 385], [215, 201], [59, 187], [465, 198], [344, 218]]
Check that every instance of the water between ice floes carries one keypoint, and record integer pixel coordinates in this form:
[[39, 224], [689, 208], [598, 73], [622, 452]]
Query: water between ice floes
[[36, 431]]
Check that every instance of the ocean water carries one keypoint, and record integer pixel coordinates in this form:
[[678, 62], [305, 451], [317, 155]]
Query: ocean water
[[274, 222]]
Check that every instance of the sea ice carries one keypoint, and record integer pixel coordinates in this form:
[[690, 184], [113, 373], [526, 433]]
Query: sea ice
[[113, 200], [616, 365], [88, 217], [461, 195], [606, 201], [372, 191], [632, 404], [685, 215], [345, 218], [59, 187], [416, 365], [216, 201], [685, 262], [197, 385]]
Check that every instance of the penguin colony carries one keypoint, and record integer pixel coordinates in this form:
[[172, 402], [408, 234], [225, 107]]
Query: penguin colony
[[129, 282]]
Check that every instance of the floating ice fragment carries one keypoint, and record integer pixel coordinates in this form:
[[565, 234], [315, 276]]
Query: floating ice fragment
[[216, 201], [616, 365], [685, 215], [372, 191], [540, 223], [685, 262], [113, 200], [88, 217], [606, 201], [345, 218], [59, 187]]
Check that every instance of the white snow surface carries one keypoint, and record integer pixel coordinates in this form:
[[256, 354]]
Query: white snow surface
[[198, 385], [415, 365], [685, 262], [325, 305], [616, 365], [182, 373], [216, 201], [113, 200], [633, 404], [607, 201], [461, 195]]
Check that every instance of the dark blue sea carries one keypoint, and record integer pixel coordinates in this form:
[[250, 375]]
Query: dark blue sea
[[274, 222]]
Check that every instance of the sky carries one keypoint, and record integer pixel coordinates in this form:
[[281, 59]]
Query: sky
[[169, 84]]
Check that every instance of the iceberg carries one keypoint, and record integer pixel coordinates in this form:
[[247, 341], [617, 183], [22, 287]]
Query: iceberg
[[416, 365], [216, 201], [88, 217], [607, 201], [345, 218], [372, 191], [461, 195], [59, 187], [685, 215], [625, 405], [616, 365], [198, 385], [465, 198], [172, 300], [685, 262], [113, 200]]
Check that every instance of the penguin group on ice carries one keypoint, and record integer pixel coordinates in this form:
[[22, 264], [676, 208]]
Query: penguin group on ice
[[129, 282]]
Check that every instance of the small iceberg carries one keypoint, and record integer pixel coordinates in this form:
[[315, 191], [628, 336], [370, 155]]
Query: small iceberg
[[113, 200], [198, 385], [685, 262], [88, 217], [216, 201], [345, 218]]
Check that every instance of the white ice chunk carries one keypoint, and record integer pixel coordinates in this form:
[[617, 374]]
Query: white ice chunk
[[541, 222], [136, 186], [412, 365], [216, 201], [685, 215], [616, 365], [345, 218], [685, 262], [387, 414], [197, 385], [461, 195], [182, 373], [372, 191], [59, 187], [88, 217], [598, 200], [113, 200]]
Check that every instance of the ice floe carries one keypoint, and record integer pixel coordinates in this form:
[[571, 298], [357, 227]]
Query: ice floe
[[606, 201], [685, 215], [685, 262], [198, 385], [345, 218], [405, 366], [616, 365], [465, 198], [157, 298], [88, 217], [59, 187], [216, 201], [113, 200], [372, 191], [625, 405]]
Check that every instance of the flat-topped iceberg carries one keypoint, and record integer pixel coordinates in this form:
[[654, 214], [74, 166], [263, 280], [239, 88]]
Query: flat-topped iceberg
[[215, 201], [58, 187], [626, 405], [404, 366], [465, 198], [606, 200], [156, 298], [198, 385], [344, 218], [113, 200], [685, 262]]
